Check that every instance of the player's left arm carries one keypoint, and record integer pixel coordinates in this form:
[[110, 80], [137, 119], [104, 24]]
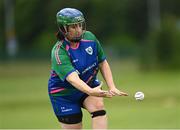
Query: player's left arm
[[107, 75]]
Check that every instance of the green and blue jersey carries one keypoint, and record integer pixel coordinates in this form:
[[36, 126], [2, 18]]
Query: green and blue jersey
[[83, 59]]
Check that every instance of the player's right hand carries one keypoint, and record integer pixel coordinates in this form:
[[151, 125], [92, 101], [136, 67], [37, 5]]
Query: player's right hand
[[98, 92]]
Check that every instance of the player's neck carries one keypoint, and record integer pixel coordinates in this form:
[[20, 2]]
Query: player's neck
[[74, 44]]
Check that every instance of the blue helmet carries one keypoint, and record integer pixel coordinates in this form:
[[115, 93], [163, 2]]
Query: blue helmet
[[69, 16]]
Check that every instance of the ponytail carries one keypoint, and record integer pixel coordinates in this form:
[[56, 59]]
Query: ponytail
[[59, 35]]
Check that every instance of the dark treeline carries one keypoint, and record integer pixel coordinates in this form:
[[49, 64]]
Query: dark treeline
[[121, 24]]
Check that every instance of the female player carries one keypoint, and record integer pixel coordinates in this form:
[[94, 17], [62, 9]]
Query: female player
[[76, 58]]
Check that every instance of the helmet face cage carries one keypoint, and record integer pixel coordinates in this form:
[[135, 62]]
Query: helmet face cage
[[65, 29]]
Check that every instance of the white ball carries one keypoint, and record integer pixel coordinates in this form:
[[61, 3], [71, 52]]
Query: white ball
[[139, 95]]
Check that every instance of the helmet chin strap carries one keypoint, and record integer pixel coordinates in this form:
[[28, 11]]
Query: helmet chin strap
[[76, 39]]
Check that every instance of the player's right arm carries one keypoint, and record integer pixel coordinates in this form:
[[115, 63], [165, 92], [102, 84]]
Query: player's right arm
[[74, 79]]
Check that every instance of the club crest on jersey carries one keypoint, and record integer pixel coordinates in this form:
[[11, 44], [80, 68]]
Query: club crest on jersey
[[89, 50]]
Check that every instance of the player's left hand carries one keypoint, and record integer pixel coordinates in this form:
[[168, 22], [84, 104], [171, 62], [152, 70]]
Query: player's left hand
[[114, 91]]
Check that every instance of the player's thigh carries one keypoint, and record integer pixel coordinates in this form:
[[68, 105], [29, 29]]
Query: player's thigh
[[67, 111], [92, 103]]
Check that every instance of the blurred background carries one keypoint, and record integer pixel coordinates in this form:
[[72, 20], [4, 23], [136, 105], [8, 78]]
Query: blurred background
[[141, 39]]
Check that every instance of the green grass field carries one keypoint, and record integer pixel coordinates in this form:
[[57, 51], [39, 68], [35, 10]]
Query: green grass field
[[24, 101]]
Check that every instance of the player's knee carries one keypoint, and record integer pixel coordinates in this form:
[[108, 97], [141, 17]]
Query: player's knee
[[95, 107], [98, 113], [98, 106]]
